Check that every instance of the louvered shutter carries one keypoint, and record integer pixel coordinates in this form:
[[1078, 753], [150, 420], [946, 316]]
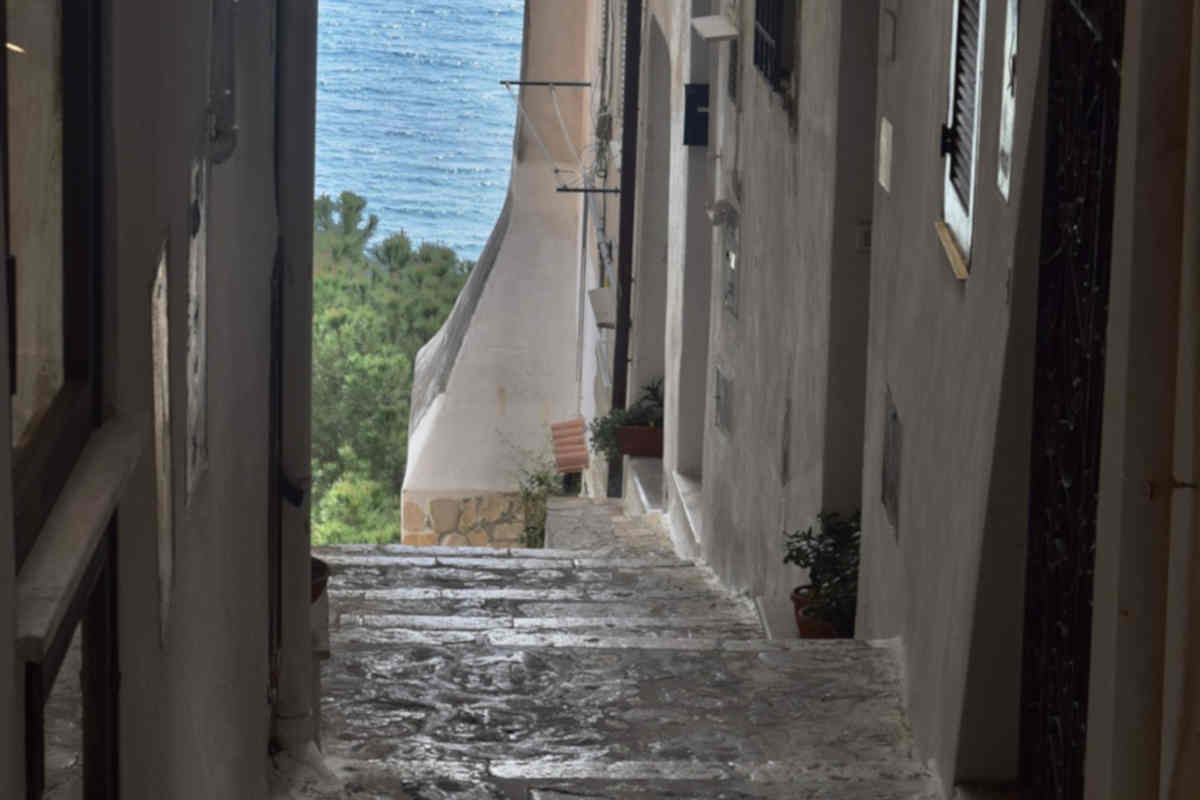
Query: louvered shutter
[[960, 133], [960, 138]]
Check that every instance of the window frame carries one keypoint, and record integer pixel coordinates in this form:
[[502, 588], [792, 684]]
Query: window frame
[[959, 216], [43, 463]]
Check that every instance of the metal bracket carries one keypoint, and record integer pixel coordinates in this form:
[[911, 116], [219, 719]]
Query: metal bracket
[[1152, 487], [946, 141]]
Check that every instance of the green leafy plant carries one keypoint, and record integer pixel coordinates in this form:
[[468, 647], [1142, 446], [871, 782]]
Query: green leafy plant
[[647, 411], [538, 479], [829, 551]]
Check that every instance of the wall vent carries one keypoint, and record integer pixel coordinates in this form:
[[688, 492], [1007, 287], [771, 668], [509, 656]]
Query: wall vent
[[722, 402], [890, 478]]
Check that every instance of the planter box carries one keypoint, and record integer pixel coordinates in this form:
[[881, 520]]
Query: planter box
[[640, 440]]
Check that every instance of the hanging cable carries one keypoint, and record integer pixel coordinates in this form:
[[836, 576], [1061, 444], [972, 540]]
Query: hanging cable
[[562, 125], [532, 126]]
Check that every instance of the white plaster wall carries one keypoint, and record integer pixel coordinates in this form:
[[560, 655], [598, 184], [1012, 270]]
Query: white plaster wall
[[518, 367], [957, 359], [779, 162], [194, 710]]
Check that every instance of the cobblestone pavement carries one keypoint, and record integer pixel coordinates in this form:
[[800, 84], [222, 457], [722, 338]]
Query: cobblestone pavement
[[602, 667]]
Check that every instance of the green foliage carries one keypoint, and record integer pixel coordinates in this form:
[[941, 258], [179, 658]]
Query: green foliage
[[648, 410], [373, 309], [356, 509], [538, 482], [829, 551]]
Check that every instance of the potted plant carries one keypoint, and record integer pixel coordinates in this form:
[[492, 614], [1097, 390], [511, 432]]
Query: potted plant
[[632, 431], [825, 606]]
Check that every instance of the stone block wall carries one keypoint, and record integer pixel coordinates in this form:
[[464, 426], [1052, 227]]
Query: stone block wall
[[493, 519]]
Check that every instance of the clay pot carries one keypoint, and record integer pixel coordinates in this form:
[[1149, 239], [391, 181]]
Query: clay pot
[[640, 440], [809, 627]]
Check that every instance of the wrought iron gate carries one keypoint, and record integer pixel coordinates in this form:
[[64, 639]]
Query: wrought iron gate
[[1081, 138]]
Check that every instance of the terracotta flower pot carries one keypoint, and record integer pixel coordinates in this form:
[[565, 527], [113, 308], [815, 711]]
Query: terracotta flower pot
[[640, 440], [809, 627]]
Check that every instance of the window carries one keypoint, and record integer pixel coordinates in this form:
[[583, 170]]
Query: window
[[960, 135], [52, 208], [49, 169], [774, 29]]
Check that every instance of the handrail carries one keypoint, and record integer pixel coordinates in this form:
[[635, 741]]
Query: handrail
[[55, 568]]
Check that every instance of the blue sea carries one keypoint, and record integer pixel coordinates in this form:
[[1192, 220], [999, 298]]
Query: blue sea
[[411, 114]]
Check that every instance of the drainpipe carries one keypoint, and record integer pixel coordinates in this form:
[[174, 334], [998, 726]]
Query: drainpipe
[[294, 723], [629, 126]]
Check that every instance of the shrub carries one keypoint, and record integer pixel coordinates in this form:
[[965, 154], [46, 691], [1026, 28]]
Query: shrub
[[829, 551], [648, 410], [538, 481]]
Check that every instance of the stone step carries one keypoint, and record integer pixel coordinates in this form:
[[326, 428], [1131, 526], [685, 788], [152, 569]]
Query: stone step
[[502, 713], [513, 563], [716, 610], [531, 584], [348, 552], [469, 623], [598, 591], [350, 627], [617, 672], [556, 779]]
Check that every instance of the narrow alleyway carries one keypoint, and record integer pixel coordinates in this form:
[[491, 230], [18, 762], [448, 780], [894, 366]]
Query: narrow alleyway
[[602, 667]]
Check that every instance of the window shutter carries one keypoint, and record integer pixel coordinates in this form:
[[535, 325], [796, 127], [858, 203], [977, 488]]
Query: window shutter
[[695, 114], [960, 133], [960, 139]]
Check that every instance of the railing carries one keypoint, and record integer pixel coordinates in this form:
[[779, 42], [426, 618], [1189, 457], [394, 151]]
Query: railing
[[70, 578], [773, 23]]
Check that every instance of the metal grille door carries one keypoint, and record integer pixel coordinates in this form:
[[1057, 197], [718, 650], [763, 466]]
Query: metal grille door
[[1073, 286]]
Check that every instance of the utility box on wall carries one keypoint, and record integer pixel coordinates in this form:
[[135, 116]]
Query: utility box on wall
[[695, 114]]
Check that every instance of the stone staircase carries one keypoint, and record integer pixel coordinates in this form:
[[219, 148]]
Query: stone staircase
[[615, 671]]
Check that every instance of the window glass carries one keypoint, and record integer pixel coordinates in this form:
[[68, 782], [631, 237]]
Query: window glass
[[35, 146]]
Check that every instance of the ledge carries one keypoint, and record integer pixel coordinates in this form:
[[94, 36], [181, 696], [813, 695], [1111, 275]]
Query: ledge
[[715, 28], [648, 479], [64, 548], [954, 253], [690, 492]]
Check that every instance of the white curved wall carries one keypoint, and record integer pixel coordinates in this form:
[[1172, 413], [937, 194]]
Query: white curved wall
[[517, 368]]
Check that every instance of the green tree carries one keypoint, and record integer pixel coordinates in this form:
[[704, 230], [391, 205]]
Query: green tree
[[373, 309]]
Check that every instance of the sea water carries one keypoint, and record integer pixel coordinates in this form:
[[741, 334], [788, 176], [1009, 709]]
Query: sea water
[[411, 114]]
